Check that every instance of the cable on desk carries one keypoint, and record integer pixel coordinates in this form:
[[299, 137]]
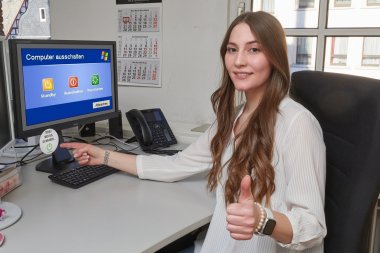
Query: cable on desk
[[28, 146], [108, 143], [131, 140], [75, 138], [116, 139], [22, 162], [10, 163]]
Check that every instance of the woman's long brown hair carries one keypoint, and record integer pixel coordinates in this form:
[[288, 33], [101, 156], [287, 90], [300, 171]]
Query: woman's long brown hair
[[253, 153]]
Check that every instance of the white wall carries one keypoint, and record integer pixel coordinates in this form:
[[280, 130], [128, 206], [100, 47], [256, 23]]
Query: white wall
[[192, 34]]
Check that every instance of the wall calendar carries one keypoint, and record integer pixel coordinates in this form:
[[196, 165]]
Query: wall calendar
[[139, 41]]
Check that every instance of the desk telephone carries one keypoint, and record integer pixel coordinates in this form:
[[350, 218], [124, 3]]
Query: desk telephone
[[151, 129]]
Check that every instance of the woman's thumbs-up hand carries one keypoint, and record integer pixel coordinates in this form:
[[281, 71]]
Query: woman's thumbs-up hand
[[242, 216]]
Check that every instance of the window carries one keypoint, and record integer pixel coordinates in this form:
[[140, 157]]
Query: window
[[325, 37], [371, 51], [338, 54], [290, 15], [342, 3], [304, 49], [302, 4], [268, 6], [357, 16]]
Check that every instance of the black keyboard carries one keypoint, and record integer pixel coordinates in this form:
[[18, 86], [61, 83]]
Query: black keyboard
[[83, 175]]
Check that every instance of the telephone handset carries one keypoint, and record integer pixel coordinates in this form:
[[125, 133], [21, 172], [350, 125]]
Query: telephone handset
[[151, 129]]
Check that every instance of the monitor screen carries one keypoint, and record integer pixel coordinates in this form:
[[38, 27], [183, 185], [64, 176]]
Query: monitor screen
[[6, 130], [62, 83]]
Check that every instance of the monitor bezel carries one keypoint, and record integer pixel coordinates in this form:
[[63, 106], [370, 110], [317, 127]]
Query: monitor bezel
[[6, 79], [15, 46]]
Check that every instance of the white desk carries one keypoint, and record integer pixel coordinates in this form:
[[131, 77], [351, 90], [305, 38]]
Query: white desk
[[118, 213]]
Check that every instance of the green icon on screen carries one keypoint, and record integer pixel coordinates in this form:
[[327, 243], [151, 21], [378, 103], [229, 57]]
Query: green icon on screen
[[95, 80]]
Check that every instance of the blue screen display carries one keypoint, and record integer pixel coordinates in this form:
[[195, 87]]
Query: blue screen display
[[64, 83]]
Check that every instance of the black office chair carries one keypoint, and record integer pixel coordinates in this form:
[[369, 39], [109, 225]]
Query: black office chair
[[348, 109]]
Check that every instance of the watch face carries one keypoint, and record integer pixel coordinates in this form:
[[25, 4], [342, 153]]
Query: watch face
[[269, 227]]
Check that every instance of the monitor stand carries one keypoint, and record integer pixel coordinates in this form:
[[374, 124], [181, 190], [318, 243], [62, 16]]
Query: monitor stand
[[61, 160], [11, 216]]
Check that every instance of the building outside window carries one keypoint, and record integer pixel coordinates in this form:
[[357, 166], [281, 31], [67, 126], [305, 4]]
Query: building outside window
[[338, 55], [268, 5], [302, 4], [304, 51], [373, 2], [371, 51], [342, 3]]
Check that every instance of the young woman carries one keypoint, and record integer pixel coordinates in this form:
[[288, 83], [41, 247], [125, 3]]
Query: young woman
[[266, 159]]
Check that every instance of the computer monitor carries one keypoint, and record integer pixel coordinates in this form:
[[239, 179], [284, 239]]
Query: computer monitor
[[6, 125], [12, 211], [60, 84]]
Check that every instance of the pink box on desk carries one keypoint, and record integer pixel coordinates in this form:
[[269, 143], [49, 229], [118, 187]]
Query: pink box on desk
[[9, 179]]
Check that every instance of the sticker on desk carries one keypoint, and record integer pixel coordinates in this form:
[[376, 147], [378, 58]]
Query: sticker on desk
[[49, 141]]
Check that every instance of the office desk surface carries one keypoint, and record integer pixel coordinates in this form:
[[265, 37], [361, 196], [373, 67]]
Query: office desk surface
[[119, 213]]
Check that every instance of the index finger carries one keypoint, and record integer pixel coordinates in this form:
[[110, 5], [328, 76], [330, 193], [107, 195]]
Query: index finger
[[71, 145]]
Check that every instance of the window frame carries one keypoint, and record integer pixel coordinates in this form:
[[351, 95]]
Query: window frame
[[322, 32]]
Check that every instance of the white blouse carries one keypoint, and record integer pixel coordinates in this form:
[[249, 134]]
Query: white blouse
[[299, 161]]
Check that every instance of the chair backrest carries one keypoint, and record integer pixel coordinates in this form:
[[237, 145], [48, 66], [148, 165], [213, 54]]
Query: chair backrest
[[348, 109]]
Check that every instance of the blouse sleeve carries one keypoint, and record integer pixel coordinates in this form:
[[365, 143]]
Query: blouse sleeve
[[196, 158], [305, 174]]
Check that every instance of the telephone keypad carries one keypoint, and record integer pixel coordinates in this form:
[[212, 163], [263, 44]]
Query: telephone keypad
[[161, 136]]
